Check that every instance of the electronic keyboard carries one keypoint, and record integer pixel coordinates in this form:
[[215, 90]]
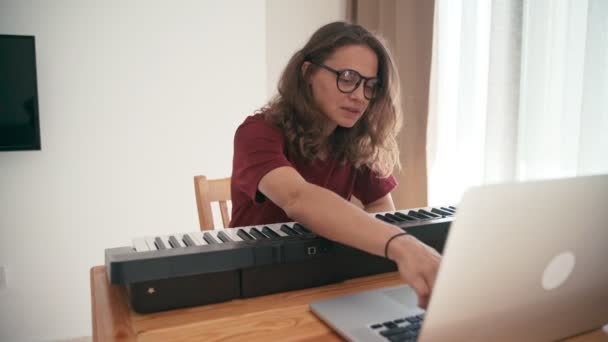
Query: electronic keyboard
[[188, 269]]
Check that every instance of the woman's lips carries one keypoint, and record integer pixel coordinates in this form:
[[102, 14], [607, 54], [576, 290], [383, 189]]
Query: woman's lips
[[352, 110]]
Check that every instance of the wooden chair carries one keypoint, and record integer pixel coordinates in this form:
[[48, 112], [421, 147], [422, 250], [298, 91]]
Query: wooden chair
[[211, 190]]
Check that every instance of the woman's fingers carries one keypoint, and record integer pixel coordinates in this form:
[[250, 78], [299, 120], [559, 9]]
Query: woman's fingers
[[431, 269], [418, 266], [422, 290]]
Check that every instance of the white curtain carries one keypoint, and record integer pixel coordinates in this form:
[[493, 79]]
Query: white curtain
[[519, 91]]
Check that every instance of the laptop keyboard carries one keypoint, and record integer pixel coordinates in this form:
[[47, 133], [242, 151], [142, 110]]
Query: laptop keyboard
[[402, 329]]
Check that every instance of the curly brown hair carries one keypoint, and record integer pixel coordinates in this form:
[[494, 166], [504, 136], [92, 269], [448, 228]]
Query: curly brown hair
[[372, 140]]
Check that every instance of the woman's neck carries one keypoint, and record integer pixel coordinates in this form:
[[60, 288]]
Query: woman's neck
[[328, 130]]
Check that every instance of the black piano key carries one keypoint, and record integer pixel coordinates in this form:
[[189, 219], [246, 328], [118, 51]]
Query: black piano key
[[394, 217], [300, 227], [257, 234], [417, 215], [224, 236], [209, 238], [452, 207], [188, 241], [422, 211], [270, 233], [287, 230], [159, 243], [405, 217], [448, 210], [385, 219], [173, 242], [441, 212], [244, 235]]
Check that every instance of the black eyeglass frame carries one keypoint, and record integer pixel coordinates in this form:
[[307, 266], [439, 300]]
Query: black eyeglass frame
[[375, 88]]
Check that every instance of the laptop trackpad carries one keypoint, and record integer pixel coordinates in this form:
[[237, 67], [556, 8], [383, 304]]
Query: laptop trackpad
[[404, 295], [352, 314]]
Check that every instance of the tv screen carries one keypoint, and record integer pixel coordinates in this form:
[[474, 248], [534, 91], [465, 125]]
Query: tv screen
[[19, 124]]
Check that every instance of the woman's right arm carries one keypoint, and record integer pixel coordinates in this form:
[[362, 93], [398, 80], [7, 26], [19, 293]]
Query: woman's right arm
[[330, 216]]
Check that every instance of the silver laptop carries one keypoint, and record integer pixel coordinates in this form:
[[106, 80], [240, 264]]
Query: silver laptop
[[523, 262]]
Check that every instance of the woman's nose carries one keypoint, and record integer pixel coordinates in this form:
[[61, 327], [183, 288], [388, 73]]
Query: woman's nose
[[358, 93]]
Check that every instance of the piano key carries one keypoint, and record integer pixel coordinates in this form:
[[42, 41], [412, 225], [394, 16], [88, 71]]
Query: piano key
[[214, 234], [180, 238], [441, 212], [188, 241], [232, 233], [452, 207], [300, 229], [385, 219], [209, 238], [173, 242], [150, 243], [417, 215], [287, 230], [160, 244], [165, 239], [270, 233], [244, 235], [257, 234], [140, 245], [448, 210], [276, 227], [405, 217], [394, 217], [422, 211], [198, 238], [224, 236]]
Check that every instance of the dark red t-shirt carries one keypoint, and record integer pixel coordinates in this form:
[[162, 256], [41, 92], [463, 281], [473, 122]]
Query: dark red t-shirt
[[259, 147]]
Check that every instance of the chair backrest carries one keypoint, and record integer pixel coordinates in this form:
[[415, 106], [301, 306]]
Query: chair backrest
[[211, 190]]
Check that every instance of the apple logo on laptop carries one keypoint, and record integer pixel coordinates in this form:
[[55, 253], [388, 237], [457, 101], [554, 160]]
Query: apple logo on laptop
[[558, 270]]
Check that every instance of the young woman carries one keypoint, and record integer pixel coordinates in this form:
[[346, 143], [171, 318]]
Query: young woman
[[329, 135]]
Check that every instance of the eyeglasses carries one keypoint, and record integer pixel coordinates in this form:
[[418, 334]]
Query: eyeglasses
[[348, 81]]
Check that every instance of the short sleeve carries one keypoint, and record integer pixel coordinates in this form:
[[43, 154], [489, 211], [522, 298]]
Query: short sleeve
[[258, 149], [370, 187]]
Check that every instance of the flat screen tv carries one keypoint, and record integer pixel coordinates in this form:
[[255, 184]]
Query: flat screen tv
[[19, 121]]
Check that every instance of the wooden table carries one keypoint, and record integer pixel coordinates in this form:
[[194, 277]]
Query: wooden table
[[277, 317]]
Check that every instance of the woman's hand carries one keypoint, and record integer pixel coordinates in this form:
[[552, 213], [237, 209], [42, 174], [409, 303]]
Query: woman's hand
[[418, 265]]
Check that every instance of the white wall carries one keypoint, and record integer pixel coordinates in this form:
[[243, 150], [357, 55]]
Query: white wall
[[135, 99], [289, 26]]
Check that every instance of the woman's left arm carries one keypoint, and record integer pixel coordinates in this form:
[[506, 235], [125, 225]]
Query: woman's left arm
[[384, 203]]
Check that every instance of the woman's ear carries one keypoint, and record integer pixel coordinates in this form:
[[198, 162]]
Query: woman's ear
[[305, 66]]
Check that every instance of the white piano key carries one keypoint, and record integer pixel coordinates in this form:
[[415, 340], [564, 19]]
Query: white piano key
[[223, 231], [165, 240], [181, 238], [150, 243], [213, 234], [276, 227], [178, 237], [140, 245], [232, 233], [198, 237], [261, 230], [248, 230], [197, 240]]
